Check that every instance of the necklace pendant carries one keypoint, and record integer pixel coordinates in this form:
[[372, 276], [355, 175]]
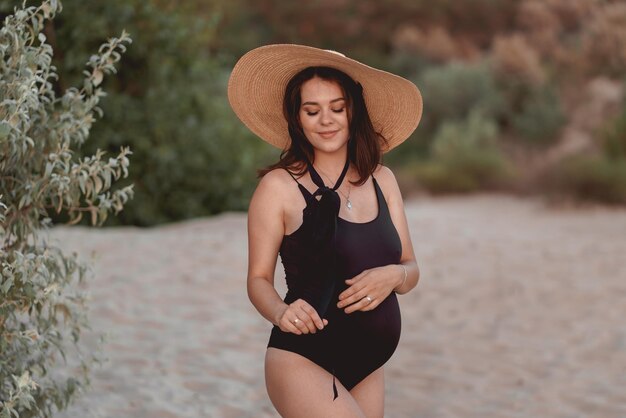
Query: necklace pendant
[[349, 205]]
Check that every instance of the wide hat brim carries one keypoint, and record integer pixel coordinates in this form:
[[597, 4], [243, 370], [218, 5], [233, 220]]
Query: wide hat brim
[[257, 85]]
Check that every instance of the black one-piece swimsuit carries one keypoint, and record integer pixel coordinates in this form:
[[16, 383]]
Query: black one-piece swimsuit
[[352, 345]]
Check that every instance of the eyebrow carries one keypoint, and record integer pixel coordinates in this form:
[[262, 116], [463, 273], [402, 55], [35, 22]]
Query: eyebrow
[[317, 104]]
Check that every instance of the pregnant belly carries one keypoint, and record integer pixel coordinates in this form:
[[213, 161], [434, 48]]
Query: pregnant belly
[[377, 329]]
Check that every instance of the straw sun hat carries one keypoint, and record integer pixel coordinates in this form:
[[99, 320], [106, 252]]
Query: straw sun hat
[[257, 86]]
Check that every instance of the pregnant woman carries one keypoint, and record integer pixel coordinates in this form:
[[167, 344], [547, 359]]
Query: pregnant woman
[[335, 215]]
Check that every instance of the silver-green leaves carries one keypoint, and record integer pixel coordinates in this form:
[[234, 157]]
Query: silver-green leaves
[[42, 311]]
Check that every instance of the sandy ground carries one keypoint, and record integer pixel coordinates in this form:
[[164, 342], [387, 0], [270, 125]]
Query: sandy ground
[[519, 313]]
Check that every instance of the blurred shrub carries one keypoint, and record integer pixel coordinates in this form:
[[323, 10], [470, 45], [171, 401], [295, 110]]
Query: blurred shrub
[[409, 64], [537, 15], [465, 157], [540, 117], [614, 137], [604, 40], [601, 177], [532, 109], [541, 28], [596, 178], [571, 13], [531, 112], [192, 157], [360, 28], [451, 92], [434, 43], [513, 57]]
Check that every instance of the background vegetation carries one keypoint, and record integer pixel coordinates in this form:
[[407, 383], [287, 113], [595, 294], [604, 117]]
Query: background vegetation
[[522, 96], [42, 305]]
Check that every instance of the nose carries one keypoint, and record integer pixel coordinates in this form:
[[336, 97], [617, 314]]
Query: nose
[[326, 117]]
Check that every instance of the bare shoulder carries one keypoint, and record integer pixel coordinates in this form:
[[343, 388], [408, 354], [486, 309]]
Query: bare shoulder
[[267, 205], [276, 178], [388, 183], [383, 171], [272, 187]]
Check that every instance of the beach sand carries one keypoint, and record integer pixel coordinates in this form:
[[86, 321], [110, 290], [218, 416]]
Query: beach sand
[[519, 312]]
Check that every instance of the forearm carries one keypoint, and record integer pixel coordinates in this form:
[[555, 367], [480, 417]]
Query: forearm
[[265, 299], [412, 277]]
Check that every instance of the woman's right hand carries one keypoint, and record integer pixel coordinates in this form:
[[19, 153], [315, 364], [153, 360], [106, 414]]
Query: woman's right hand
[[300, 318]]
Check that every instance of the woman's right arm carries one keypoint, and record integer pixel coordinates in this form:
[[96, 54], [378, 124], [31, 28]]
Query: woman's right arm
[[265, 234]]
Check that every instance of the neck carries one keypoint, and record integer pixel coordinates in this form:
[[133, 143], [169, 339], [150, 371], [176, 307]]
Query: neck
[[331, 164]]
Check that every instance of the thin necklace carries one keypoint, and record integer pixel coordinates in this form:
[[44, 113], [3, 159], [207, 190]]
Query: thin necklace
[[348, 203]]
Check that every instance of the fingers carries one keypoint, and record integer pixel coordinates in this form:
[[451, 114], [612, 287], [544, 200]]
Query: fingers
[[362, 300], [367, 303], [289, 325], [305, 323], [351, 295], [315, 318], [353, 285], [301, 325], [301, 318], [357, 277]]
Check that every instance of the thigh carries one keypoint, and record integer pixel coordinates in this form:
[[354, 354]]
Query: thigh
[[369, 394], [300, 388]]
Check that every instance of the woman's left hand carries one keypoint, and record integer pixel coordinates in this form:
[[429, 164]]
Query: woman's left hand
[[369, 288]]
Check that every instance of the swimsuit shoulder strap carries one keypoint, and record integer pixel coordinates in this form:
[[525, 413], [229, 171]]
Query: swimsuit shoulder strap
[[292, 176], [305, 192], [382, 207]]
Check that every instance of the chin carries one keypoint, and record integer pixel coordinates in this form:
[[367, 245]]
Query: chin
[[329, 146]]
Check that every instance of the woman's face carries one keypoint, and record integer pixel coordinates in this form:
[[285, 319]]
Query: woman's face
[[323, 114]]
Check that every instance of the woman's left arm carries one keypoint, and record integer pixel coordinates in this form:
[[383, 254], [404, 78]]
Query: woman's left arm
[[379, 282], [398, 217]]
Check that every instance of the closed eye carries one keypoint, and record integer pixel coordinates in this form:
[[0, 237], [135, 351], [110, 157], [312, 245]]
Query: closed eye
[[334, 110]]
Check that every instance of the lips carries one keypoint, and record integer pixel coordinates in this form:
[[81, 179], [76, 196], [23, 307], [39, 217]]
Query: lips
[[327, 134]]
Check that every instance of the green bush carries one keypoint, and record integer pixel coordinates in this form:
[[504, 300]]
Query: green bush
[[450, 94], [533, 113], [595, 178], [599, 177], [455, 90], [191, 155], [42, 309], [410, 64], [465, 157], [614, 137], [540, 117]]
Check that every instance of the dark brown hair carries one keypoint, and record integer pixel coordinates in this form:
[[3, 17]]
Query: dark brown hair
[[364, 144]]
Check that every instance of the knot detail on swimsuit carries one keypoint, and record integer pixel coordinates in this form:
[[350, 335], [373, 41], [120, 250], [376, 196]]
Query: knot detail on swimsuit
[[323, 215]]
